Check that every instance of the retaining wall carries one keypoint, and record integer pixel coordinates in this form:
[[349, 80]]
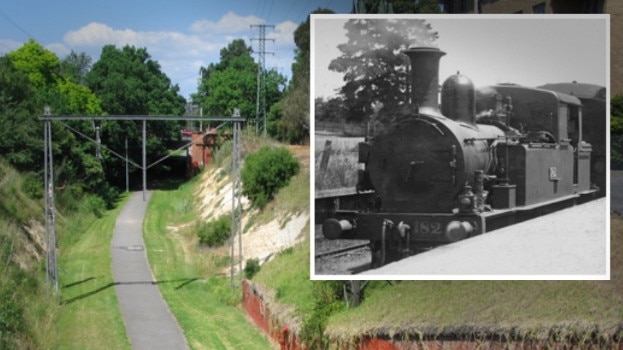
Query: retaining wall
[[261, 311]]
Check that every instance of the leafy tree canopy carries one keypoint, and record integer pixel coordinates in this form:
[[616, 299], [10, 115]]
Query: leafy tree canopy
[[232, 83], [616, 132], [291, 123], [395, 6], [129, 82], [75, 67], [374, 68], [41, 65]]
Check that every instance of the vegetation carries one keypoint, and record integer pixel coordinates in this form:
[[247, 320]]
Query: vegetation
[[129, 82], [265, 172], [342, 166], [232, 83], [369, 63], [395, 6], [90, 316], [190, 279], [214, 233], [616, 132], [251, 268]]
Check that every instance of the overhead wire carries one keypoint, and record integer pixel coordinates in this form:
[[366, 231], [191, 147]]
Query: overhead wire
[[15, 24]]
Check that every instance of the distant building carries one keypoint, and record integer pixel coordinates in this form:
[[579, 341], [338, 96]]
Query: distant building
[[200, 152], [613, 7]]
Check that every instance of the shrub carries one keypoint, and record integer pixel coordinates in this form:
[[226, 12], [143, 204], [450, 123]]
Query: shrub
[[326, 302], [265, 172], [214, 233], [251, 267]]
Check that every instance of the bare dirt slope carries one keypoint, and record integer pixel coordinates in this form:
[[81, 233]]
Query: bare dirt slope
[[259, 241]]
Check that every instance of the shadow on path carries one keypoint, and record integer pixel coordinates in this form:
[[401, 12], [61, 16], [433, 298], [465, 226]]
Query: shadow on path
[[184, 282]]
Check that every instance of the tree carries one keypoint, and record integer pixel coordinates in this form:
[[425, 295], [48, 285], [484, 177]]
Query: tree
[[616, 132], [75, 67], [20, 140], [41, 65], [33, 75], [129, 82], [375, 71], [395, 6], [294, 125], [232, 83]]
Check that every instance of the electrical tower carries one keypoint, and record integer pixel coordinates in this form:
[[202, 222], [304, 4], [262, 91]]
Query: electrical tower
[[260, 109]]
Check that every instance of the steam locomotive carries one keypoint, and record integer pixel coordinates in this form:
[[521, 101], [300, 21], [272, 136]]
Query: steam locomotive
[[483, 159]]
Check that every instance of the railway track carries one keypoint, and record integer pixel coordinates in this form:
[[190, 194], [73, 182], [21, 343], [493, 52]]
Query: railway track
[[341, 250]]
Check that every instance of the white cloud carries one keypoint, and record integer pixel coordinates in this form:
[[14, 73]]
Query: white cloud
[[230, 23], [8, 45], [283, 33], [182, 54]]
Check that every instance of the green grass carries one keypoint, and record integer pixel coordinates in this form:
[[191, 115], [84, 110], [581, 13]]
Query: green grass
[[528, 307], [535, 309], [288, 275], [203, 303], [90, 317]]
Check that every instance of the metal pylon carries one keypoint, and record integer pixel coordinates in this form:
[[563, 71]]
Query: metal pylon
[[50, 225], [236, 205], [260, 109]]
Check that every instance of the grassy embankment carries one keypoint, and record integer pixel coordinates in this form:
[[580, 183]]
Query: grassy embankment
[[30, 317], [200, 297], [27, 312], [90, 317], [202, 301], [536, 309]]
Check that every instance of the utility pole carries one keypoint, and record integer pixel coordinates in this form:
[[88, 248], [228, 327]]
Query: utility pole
[[260, 109]]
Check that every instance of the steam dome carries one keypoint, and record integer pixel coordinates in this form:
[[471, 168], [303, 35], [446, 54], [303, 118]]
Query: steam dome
[[458, 99]]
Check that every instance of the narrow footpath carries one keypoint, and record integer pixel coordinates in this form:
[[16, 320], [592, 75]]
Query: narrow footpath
[[148, 321]]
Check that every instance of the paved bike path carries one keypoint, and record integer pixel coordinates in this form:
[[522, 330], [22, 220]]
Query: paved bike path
[[148, 321]]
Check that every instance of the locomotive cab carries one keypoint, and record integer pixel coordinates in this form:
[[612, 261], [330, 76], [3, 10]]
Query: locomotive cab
[[551, 160]]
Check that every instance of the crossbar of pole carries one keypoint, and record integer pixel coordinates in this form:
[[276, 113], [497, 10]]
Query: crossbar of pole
[[51, 263], [141, 118]]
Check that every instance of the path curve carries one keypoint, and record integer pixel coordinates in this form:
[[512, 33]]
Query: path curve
[[148, 321]]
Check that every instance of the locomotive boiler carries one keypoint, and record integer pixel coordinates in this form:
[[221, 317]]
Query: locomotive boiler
[[480, 160]]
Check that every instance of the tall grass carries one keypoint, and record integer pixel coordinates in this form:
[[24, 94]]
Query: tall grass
[[342, 168]]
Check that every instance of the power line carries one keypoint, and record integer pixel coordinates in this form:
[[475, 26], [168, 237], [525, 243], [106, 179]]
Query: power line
[[270, 10], [16, 25]]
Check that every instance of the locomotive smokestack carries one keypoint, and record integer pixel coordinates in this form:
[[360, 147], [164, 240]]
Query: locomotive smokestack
[[425, 78]]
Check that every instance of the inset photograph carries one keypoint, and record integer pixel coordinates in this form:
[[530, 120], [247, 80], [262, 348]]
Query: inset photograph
[[460, 147]]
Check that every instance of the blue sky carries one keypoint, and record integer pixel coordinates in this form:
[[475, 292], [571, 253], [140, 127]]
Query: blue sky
[[529, 50], [181, 35]]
